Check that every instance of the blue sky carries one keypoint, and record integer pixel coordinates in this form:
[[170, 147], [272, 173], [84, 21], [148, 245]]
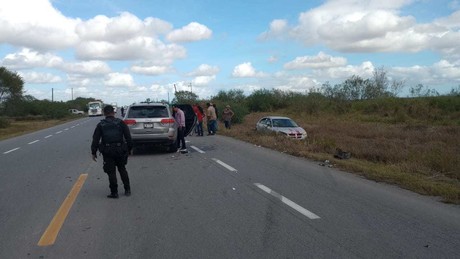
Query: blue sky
[[125, 51]]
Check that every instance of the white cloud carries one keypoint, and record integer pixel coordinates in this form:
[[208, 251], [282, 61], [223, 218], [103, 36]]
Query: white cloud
[[151, 70], [140, 48], [438, 74], [36, 25], [119, 80], [191, 32], [202, 80], [277, 29], [246, 70], [120, 28], [28, 58], [369, 26], [364, 70], [93, 67], [205, 70], [39, 78], [299, 84], [321, 60]]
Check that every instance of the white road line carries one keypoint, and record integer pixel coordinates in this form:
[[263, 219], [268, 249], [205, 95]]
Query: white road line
[[49, 136], [66, 129], [288, 202], [197, 149], [59, 132], [72, 127], [225, 165], [35, 141], [9, 151]]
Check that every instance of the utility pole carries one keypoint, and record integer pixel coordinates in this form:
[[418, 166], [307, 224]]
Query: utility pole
[[52, 94], [191, 88], [72, 93]]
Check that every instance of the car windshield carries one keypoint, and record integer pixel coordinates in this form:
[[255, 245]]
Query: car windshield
[[148, 112], [284, 123]]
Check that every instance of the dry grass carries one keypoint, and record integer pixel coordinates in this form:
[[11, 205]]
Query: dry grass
[[21, 127], [420, 158]]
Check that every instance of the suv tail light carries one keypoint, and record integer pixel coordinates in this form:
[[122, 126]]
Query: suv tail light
[[167, 121], [130, 122]]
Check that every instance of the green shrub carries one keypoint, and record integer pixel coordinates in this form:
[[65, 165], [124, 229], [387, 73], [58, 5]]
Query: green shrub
[[4, 123]]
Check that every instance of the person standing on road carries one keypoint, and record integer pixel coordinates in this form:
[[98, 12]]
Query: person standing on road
[[122, 111], [113, 139], [216, 124], [227, 115], [199, 115], [179, 116], [212, 119]]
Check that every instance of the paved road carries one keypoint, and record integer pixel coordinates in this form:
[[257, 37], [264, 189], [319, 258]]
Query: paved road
[[224, 199]]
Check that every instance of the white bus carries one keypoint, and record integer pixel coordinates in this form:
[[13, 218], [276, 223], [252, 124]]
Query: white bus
[[95, 108]]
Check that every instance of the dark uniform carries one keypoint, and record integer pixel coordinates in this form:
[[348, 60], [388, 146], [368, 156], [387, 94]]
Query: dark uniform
[[113, 139]]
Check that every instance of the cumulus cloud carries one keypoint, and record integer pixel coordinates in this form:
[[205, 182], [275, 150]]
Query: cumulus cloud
[[299, 84], [246, 70], [203, 80], [277, 29], [191, 32], [438, 74], [151, 70], [120, 28], [368, 26], [119, 80], [364, 70], [93, 67], [141, 48], [36, 25], [39, 78], [28, 58], [205, 70], [321, 60]]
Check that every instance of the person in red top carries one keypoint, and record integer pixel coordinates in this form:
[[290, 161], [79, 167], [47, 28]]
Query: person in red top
[[199, 115]]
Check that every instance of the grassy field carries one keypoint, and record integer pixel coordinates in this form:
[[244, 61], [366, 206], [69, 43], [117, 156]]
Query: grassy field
[[420, 158], [21, 127]]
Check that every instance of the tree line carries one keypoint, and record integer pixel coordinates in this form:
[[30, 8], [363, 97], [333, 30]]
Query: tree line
[[376, 94]]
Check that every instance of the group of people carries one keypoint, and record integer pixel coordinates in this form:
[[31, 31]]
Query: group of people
[[113, 140], [211, 117]]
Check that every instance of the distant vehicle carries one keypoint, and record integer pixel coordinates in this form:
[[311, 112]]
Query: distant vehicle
[[75, 111], [95, 108], [281, 125], [154, 124]]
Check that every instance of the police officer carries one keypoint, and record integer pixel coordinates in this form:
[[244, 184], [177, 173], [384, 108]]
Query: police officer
[[113, 139]]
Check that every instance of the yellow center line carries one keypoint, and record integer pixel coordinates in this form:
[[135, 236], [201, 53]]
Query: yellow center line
[[49, 237]]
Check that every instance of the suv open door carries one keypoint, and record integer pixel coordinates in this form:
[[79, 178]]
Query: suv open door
[[190, 117]]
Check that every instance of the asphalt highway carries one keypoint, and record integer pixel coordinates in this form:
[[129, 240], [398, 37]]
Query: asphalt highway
[[224, 199]]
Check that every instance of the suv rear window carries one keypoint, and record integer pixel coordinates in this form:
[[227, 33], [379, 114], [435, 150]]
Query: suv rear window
[[148, 112]]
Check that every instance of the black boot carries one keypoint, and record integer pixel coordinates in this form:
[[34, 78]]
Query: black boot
[[128, 192], [113, 195]]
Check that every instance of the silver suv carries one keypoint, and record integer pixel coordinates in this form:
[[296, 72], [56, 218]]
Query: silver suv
[[153, 123]]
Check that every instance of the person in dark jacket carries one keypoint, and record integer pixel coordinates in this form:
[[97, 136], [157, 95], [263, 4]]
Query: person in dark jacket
[[113, 139]]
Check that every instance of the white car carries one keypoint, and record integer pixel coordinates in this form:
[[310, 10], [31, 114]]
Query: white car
[[75, 111], [282, 125]]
